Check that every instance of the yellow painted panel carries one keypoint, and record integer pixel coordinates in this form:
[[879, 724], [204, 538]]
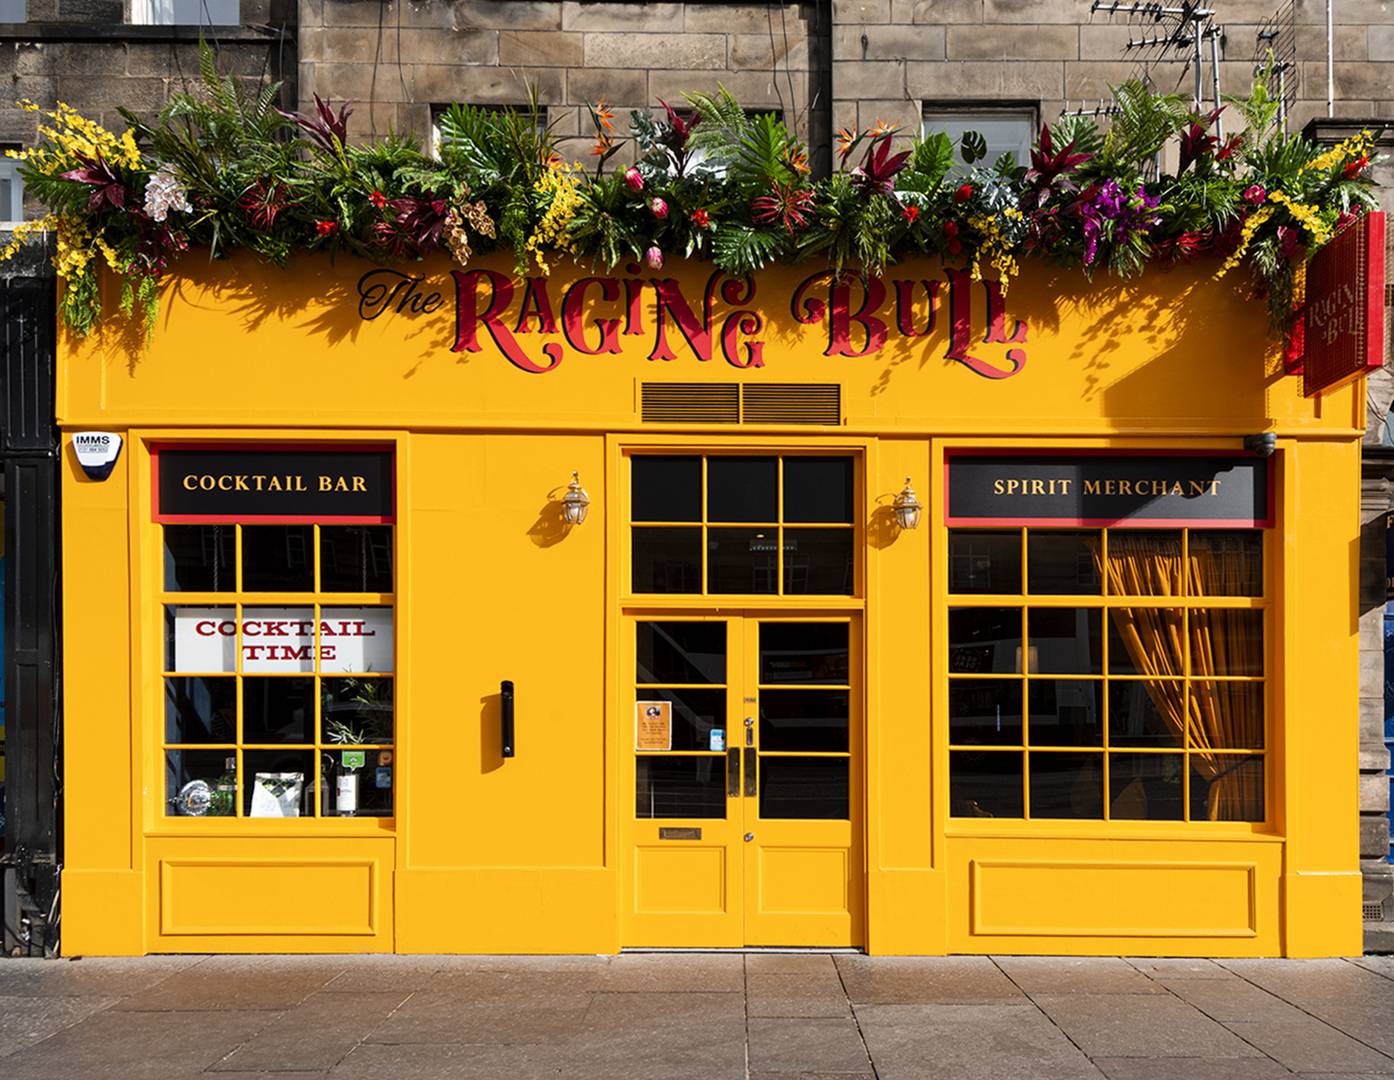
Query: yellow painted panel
[[680, 880], [103, 913], [803, 881], [1047, 898], [306, 896]]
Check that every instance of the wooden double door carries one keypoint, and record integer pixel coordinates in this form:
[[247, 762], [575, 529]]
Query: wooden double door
[[741, 786]]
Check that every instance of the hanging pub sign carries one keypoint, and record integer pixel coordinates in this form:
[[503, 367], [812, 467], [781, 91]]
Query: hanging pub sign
[[1342, 321], [1088, 489], [273, 485]]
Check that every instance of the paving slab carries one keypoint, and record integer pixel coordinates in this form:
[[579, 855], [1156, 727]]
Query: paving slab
[[237, 982], [429, 1016], [807, 1045], [662, 1034], [1140, 1025], [27, 1020], [969, 1042], [902, 980], [1082, 974], [1233, 999], [1192, 1069], [449, 1061], [791, 995], [315, 1035], [369, 973], [100, 975], [790, 964], [1311, 1046], [531, 981], [1310, 982], [1178, 967], [666, 973]]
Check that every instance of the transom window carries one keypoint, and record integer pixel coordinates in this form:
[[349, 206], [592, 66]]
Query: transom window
[[1106, 674], [278, 670], [727, 524]]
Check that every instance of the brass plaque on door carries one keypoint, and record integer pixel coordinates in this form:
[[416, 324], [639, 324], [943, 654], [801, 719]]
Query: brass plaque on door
[[679, 834]]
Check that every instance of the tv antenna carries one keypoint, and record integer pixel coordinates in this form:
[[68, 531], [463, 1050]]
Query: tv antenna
[[1275, 55]]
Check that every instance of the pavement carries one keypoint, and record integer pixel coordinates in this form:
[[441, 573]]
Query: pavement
[[765, 1016]]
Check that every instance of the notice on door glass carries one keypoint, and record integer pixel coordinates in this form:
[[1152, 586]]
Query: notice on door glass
[[277, 640], [653, 725]]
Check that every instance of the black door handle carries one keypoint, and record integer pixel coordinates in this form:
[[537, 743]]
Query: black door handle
[[506, 716]]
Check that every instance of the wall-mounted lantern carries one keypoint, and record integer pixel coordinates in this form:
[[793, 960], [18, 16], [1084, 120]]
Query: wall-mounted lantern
[[907, 507], [575, 502]]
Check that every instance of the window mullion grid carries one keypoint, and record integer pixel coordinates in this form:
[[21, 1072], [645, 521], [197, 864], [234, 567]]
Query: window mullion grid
[[779, 526], [1024, 676], [237, 676], [702, 530]]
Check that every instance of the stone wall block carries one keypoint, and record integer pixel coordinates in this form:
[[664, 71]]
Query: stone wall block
[[612, 85], [691, 51], [89, 95], [936, 12], [1049, 42], [776, 19], [1362, 12], [1033, 11], [506, 86], [507, 14], [543, 48], [901, 114], [983, 80], [91, 11], [754, 89], [1374, 837], [1370, 82], [861, 11], [636, 18], [1374, 794], [869, 79], [758, 51], [889, 42], [1380, 42], [17, 126]]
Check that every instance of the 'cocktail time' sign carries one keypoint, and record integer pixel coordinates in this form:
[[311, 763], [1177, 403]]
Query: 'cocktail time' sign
[[221, 484], [1142, 490]]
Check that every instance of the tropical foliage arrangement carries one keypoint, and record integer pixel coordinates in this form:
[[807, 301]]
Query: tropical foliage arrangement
[[221, 168]]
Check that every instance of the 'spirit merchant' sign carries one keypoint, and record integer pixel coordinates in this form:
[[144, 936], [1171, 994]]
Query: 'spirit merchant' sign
[[1143, 490], [213, 484]]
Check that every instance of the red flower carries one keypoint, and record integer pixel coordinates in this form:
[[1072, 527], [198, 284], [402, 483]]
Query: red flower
[[378, 199], [785, 205], [263, 201], [326, 228], [701, 219], [951, 229], [1356, 167], [910, 213], [964, 193], [952, 244]]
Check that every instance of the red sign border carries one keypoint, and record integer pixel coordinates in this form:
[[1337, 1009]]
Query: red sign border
[[278, 519], [1104, 523]]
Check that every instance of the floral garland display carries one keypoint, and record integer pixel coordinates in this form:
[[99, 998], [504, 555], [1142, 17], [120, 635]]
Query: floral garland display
[[221, 168]]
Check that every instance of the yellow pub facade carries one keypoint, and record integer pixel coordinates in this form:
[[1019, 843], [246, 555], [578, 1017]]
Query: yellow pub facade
[[443, 610]]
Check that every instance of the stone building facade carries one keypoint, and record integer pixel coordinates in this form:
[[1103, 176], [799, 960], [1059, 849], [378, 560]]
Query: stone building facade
[[823, 64]]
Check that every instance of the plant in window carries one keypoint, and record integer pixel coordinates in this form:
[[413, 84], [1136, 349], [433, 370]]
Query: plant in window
[[359, 712]]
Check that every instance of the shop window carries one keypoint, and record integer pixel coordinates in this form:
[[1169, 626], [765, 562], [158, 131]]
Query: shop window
[[1006, 130], [1106, 674], [736, 525], [278, 670]]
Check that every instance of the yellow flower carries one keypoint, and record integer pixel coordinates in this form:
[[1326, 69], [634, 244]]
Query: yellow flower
[[563, 184], [1355, 147], [1309, 217], [1251, 226]]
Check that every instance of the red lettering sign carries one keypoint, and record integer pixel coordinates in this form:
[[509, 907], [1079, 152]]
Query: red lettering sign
[[1341, 325]]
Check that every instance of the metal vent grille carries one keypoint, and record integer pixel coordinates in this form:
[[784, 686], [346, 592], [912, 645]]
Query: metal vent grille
[[690, 403], [735, 403], [1372, 912]]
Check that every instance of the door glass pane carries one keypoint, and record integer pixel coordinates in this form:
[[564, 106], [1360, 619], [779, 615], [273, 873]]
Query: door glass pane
[[278, 558], [1145, 713], [277, 710], [356, 710], [985, 711], [1226, 715], [680, 652], [200, 639], [201, 783], [1062, 563], [1224, 563], [742, 489], [198, 558], [667, 560], [985, 640], [695, 714], [984, 562], [1067, 785], [819, 562], [1226, 642], [666, 489], [818, 489], [278, 639], [279, 783], [1065, 641], [356, 639], [742, 560], [353, 790], [803, 788], [1145, 641], [1226, 787], [1145, 787], [199, 710], [811, 720], [985, 783], [355, 558], [803, 652], [680, 787], [1144, 562], [1066, 712]]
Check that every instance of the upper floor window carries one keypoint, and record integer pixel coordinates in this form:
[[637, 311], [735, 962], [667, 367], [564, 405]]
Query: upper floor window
[[13, 11], [184, 12], [1007, 131], [440, 128], [11, 190]]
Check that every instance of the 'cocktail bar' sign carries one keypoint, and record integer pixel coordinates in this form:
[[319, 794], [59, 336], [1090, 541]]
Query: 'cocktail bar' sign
[[273, 485], [1141, 490]]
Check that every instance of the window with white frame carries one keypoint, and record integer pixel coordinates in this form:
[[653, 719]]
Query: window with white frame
[[13, 11], [1006, 130], [438, 111], [11, 190], [184, 12]]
